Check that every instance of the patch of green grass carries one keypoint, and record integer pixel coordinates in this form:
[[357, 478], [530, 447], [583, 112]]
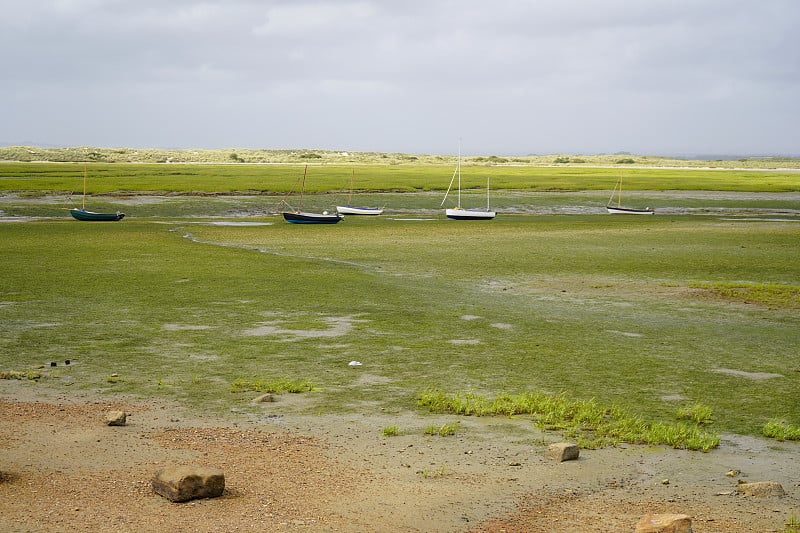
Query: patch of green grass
[[769, 295], [391, 431], [445, 430], [793, 525], [698, 413], [276, 386], [589, 423], [680, 435], [32, 375], [437, 472], [781, 430]]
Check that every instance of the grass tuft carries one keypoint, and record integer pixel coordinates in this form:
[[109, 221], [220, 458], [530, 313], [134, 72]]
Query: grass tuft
[[592, 425], [444, 430], [781, 430], [438, 472], [390, 431], [31, 375], [793, 525], [697, 413]]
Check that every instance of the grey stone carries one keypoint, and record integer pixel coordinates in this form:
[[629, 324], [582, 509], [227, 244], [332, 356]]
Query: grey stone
[[116, 418], [761, 489], [562, 451], [189, 482], [264, 398], [664, 523]]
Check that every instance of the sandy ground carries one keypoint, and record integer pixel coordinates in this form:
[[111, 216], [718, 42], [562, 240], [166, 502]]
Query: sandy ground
[[63, 469]]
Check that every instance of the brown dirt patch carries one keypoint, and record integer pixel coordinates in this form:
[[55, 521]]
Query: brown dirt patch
[[63, 469]]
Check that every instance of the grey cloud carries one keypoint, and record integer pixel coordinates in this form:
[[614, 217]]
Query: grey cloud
[[515, 77]]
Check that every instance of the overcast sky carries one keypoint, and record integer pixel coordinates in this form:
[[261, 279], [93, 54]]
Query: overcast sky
[[507, 77]]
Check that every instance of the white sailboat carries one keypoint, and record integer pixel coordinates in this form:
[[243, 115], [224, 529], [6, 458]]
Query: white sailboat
[[350, 209], [457, 213]]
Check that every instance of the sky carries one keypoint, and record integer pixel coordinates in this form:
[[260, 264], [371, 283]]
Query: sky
[[506, 77]]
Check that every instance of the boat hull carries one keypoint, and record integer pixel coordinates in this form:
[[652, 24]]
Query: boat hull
[[469, 214], [350, 210], [90, 216], [629, 211], [312, 218]]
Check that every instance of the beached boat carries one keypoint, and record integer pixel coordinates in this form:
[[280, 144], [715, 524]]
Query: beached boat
[[618, 209], [457, 213], [301, 217], [91, 216], [350, 209]]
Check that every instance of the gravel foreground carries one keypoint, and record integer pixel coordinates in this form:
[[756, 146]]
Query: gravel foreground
[[63, 469]]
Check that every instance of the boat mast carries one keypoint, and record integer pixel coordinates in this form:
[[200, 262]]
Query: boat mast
[[83, 204], [352, 177], [302, 188], [487, 194], [453, 178], [458, 167], [618, 191]]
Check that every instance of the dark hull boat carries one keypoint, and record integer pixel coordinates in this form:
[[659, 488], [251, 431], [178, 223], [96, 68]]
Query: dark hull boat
[[618, 209], [311, 218], [90, 216], [299, 216]]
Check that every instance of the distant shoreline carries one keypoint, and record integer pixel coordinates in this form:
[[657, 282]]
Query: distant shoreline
[[237, 156]]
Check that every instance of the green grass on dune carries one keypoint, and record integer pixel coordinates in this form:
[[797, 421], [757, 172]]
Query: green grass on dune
[[619, 310]]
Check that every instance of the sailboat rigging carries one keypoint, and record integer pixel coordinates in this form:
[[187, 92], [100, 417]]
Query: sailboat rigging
[[618, 209], [349, 209], [301, 217], [466, 214], [90, 216]]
